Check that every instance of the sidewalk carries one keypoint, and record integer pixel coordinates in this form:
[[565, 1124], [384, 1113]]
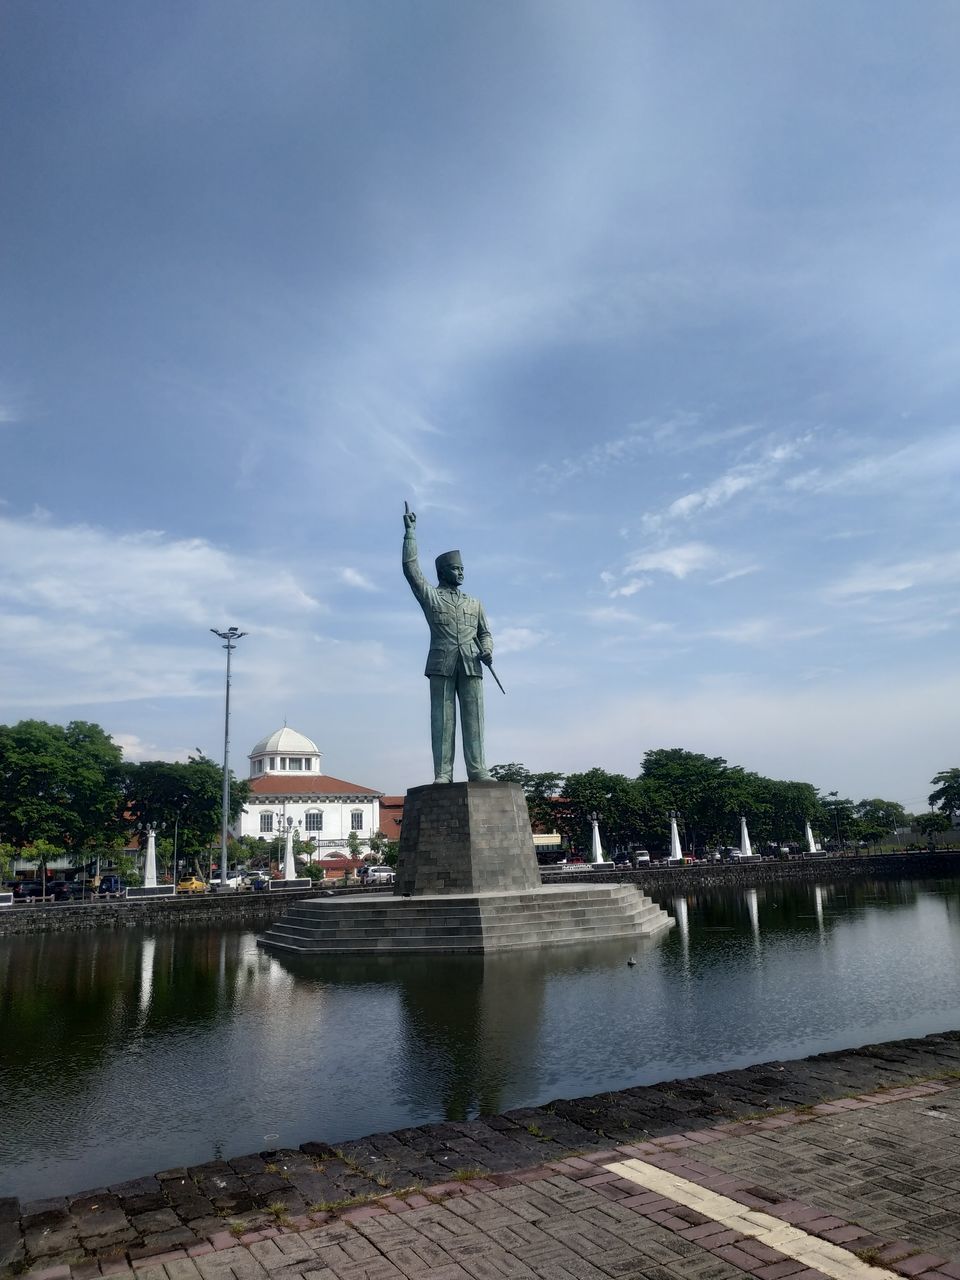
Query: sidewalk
[[864, 1185]]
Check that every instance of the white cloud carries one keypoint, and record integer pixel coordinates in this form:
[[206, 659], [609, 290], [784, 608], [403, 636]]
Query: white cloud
[[679, 561], [904, 575], [91, 617], [81, 571], [761, 631], [735, 573], [933, 459], [518, 639], [354, 578], [632, 587], [748, 475]]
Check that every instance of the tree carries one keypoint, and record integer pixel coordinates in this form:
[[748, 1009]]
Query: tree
[[59, 783], [379, 844], [946, 798], [879, 818], [618, 801], [189, 796], [931, 824], [540, 790], [391, 853], [353, 845], [838, 819]]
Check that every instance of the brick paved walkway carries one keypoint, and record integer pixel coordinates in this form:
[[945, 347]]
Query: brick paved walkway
[[854, 1188]]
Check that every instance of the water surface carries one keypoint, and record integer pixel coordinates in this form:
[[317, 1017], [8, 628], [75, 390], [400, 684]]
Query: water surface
[[122, 1053]]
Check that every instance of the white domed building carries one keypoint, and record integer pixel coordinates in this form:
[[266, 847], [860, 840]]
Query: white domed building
[[286, 781]]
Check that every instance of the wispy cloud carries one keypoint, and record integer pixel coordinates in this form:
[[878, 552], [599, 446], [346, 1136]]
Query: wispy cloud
[[904, 575], [762, 631], [679, 561], [354, 578], [748, 475], [934, 459], [632, 587], [519, 639]]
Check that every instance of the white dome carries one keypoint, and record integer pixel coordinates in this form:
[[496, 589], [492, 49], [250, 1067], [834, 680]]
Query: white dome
[[285, 741]]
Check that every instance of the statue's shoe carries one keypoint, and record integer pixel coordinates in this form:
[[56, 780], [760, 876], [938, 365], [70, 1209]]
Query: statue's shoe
[[443, 778]]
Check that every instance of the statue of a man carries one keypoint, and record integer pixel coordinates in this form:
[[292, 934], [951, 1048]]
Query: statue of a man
[[459, 641]]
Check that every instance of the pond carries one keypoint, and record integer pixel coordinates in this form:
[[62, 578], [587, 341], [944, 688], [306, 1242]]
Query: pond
[[122, 1053]]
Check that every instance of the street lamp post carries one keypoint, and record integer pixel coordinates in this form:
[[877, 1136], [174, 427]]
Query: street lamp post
[[230, 636], [176, 834], [836, 815]]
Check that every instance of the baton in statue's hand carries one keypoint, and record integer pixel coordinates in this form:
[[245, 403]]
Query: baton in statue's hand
[[497, 678]]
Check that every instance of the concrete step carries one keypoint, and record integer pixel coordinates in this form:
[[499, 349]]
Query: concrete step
[[491, 922]]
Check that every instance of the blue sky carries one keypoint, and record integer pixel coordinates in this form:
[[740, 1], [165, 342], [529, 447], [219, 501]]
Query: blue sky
[[651, 309]]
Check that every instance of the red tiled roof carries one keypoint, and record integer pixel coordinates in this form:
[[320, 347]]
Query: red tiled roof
[[305, 784], [391, 815]]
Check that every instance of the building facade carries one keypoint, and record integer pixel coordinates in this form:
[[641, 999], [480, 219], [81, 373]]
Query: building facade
[[287, 783]]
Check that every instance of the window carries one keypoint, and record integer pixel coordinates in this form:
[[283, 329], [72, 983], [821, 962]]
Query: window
[[314, 822], [295, 763], [273, 762], [266, 822], [356, 820], [259, 766], [283, 762]]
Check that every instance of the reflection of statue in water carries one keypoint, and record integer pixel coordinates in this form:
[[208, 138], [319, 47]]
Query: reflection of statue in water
[[459, 641]]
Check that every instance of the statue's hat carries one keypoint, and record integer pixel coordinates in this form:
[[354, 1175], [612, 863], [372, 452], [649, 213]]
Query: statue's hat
[[448, 559]]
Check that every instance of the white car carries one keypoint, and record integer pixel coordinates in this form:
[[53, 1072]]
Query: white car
[[381, 875], [233, 882]]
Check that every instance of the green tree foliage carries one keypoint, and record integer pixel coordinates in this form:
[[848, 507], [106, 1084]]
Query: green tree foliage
[[946, 798], [62, 784], [878, 819], [540, 790], [189, 795], [256, 851], [931, 824], [7, 855]]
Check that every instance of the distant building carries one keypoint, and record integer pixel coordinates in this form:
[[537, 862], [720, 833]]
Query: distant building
[[286, 781], [391, 816]]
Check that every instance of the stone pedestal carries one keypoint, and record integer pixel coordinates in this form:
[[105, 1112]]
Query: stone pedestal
[[466, 838], [467, 881]]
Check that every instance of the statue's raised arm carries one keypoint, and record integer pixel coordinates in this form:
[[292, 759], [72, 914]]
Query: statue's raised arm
[[409, 517]]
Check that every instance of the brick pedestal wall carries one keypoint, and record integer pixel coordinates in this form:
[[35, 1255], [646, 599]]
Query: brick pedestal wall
[[465, 838]]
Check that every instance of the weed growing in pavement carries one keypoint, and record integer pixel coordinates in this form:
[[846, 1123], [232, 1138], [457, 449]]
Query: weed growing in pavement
[[281, 1211], [237, 1228], [467, 1172], [334, 1206]]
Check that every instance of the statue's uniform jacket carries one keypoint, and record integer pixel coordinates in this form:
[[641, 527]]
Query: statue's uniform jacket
[[459, 633]]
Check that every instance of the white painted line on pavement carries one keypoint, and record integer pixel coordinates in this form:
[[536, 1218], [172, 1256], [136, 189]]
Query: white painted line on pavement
[[789, 1240]]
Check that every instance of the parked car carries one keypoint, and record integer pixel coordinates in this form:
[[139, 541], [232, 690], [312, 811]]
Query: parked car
[[111, 887], [256, 880], [381, 875], [26, 890], [233, 882], [67, 890], [191, 884]]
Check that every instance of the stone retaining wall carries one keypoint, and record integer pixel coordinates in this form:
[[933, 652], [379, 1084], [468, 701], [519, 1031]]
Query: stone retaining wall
[[229, 909], [661, 879], [657, 881]]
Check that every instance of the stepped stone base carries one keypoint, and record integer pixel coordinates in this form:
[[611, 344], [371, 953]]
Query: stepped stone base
[[483, 922], [467, 880]]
